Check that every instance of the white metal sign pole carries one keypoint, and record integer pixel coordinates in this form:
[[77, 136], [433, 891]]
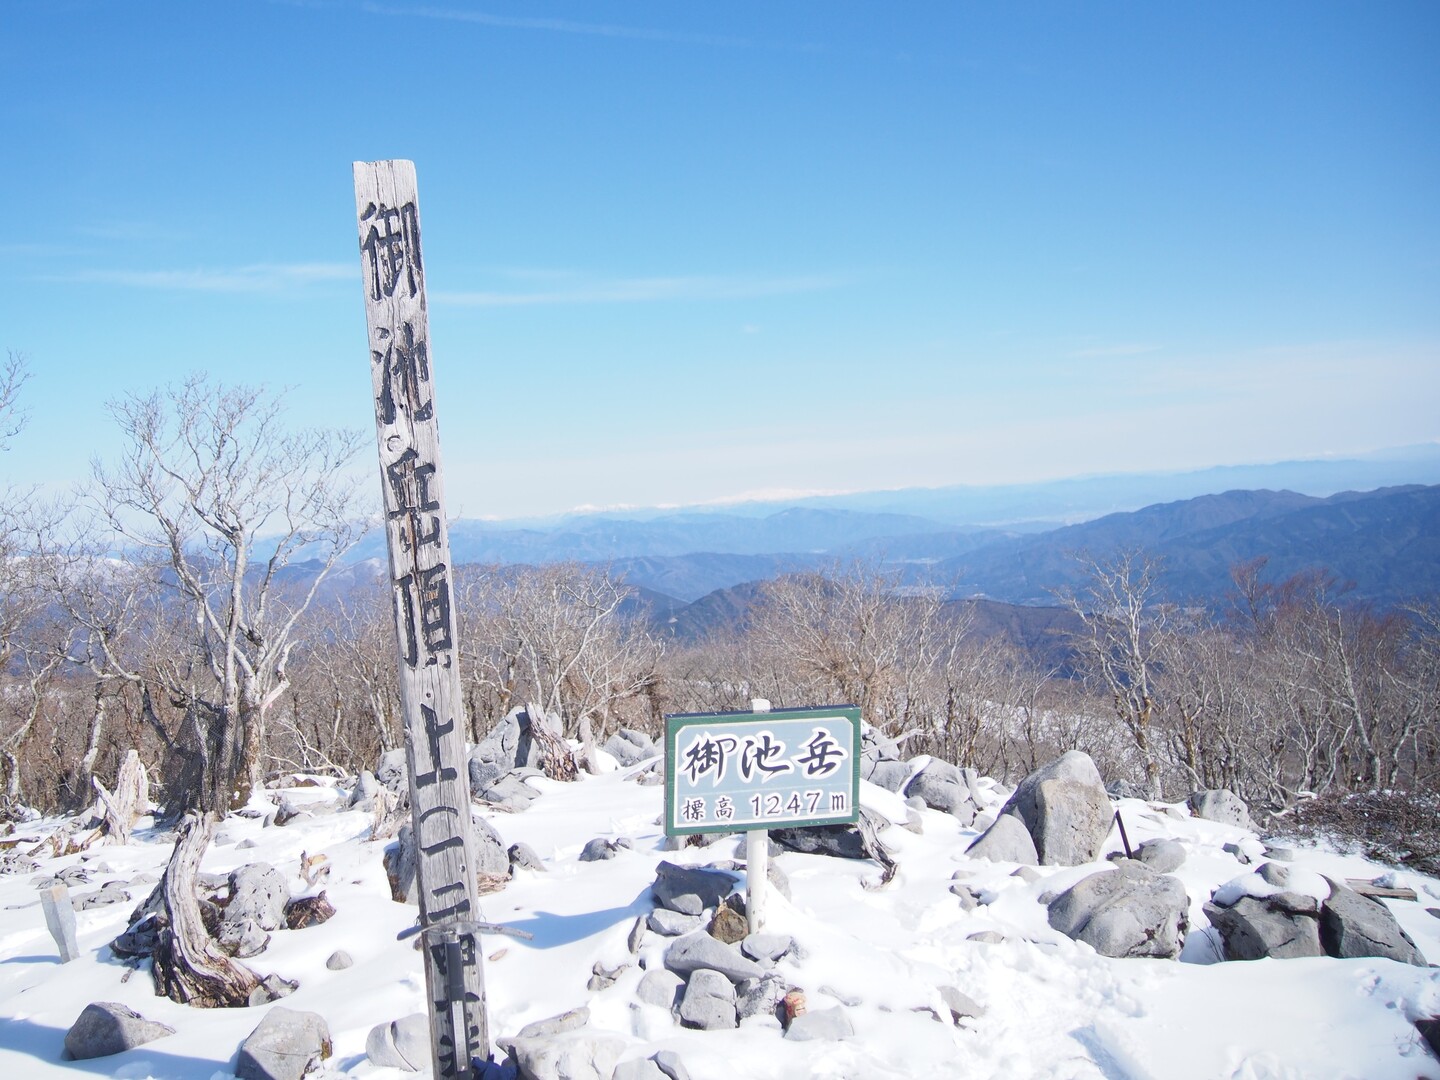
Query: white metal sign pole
[[757, 859], [388, 218]]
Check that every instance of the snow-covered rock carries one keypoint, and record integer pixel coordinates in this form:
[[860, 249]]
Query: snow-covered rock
[[1129, 911], [107, 1027]]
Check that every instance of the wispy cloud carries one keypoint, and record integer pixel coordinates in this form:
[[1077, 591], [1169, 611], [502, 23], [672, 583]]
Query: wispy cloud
[[648, 290], [569, 26], [258, 278]]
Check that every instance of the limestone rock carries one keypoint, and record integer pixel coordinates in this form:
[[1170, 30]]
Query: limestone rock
[[767, 948], [1353, 925], [696, 951], [630, 747], [339, 960], [260, 892], [510, 744], [1072, 821], [573, 1020], [661, 987], [401, 1044], [1162, 856], [709, 1002], [1222, 805], [107, 1027], [525, 857], [1254, 928], [393, 772], [577, 1055], [672, 923], [1007, 840], [638, 1069], [760, 997], [890, 775], [689, 890], [944, 788], [285, 1045], [1125, 912]]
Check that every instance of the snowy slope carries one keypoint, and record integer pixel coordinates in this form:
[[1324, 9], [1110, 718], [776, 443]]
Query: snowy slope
[[1054, 1008]]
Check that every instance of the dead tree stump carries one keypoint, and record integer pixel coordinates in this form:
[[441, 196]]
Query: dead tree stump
[[557, 760], [189, 967], [130, 799]]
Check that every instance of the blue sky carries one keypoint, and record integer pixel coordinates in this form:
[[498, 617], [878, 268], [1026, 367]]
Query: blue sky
[[681, 252]]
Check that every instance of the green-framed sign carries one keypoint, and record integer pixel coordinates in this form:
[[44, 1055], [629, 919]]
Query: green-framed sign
[[730, 772]]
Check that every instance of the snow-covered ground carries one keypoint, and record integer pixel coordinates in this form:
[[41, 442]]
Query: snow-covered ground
[[1053, 1008]]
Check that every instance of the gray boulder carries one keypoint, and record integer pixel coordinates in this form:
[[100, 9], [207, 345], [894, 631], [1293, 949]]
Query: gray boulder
[[339, 960], [286, 1045], [760, 997], [363, 794], [509, 791], [401, 1044], [709, 1002], [661, 987], [258, 892], [393, 772], [1008, 840], [858, 841], [767, 948], [1352, 925], [1162, 855], [112, 892], [576, 1055], [638, 1069], [107, 1027], [699, 950], [1125, 912], [689, 889], [630, 747], [1285, 925], [1073, 821], [508, 745], [827, 1024], [1065, 808], [599, 849], [492, 859], [573, 1020], [1222, 805], [890, 775], [242, 938], [669, 923], [671, 1065], [944, 788], [525, 857]]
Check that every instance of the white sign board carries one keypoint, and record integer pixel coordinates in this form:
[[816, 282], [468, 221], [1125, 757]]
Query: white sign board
[[727, 772]]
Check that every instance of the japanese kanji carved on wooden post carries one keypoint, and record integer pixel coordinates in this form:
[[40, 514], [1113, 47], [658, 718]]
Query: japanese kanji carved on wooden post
[[388, 216]]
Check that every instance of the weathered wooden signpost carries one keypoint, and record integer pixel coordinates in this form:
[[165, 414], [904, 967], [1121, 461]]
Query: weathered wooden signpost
[[758, 771], [388, 217]]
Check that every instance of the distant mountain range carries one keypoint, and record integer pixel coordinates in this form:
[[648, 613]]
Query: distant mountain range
[[695, 571]]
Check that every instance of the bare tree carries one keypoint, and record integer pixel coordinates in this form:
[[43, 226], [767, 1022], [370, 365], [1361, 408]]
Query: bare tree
[[555, 635], [222, 501], [14, 374], [1124, 627], [852, 635]]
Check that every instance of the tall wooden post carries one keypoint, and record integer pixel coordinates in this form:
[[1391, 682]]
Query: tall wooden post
[[422, 583]]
